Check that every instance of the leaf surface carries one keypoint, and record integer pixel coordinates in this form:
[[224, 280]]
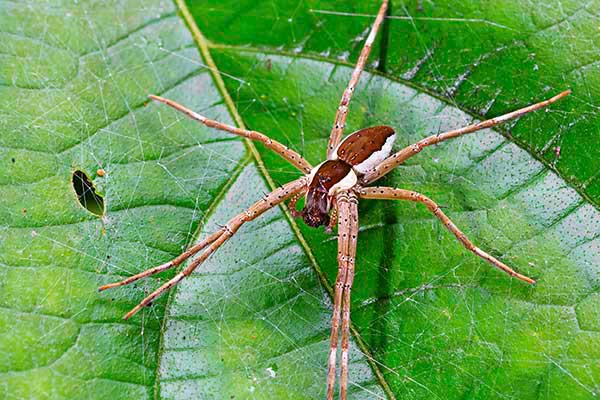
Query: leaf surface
[[253, 322]]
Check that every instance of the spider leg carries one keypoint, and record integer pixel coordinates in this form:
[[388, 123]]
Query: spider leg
[[292, 205], [333, 218], [290, 155], [348, 216], [398, 158], [214, 241], [388, 193], [342, 111], [347, 229], [168, 265], [337, 300]]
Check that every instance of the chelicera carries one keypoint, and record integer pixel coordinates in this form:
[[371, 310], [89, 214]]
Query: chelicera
[[332, 190]]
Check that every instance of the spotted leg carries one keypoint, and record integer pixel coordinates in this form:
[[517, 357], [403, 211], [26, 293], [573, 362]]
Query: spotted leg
[[292, 205], [342, 111], [343, 232], [387, 193], [333, 218], [211, 243], [294, 158], [168, 265], [398, 158], [348, 218]]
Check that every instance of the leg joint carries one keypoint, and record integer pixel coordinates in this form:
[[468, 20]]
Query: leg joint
[[229, 230]]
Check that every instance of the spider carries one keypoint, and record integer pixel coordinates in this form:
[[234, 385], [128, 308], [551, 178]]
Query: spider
[[332, 190]]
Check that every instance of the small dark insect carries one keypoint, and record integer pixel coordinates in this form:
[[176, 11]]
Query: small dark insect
[[332, 191]]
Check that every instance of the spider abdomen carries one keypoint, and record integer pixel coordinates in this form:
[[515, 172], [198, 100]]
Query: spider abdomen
[[366, 148], [332, 175]]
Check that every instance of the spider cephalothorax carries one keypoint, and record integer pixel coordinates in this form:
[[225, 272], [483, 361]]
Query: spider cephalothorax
[[335, 186], [323, 181]]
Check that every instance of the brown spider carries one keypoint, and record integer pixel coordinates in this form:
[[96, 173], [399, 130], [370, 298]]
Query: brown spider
[[332, 190]]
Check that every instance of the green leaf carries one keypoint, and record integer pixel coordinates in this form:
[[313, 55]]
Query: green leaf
[[253, 322]]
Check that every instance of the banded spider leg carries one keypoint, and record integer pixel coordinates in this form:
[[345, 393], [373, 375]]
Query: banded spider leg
[[290, 155], [342, 111], [399, 157], [213, 242], [388, 193], [345, 210], [347, 206]]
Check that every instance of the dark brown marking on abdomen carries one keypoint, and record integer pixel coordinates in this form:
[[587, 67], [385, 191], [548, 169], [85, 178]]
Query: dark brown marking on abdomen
[[360, 145]]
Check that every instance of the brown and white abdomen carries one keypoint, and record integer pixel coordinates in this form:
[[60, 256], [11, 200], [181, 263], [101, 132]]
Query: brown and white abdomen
[[366, 148]]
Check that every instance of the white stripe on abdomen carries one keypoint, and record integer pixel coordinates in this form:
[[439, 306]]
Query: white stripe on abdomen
[[377, 157]]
